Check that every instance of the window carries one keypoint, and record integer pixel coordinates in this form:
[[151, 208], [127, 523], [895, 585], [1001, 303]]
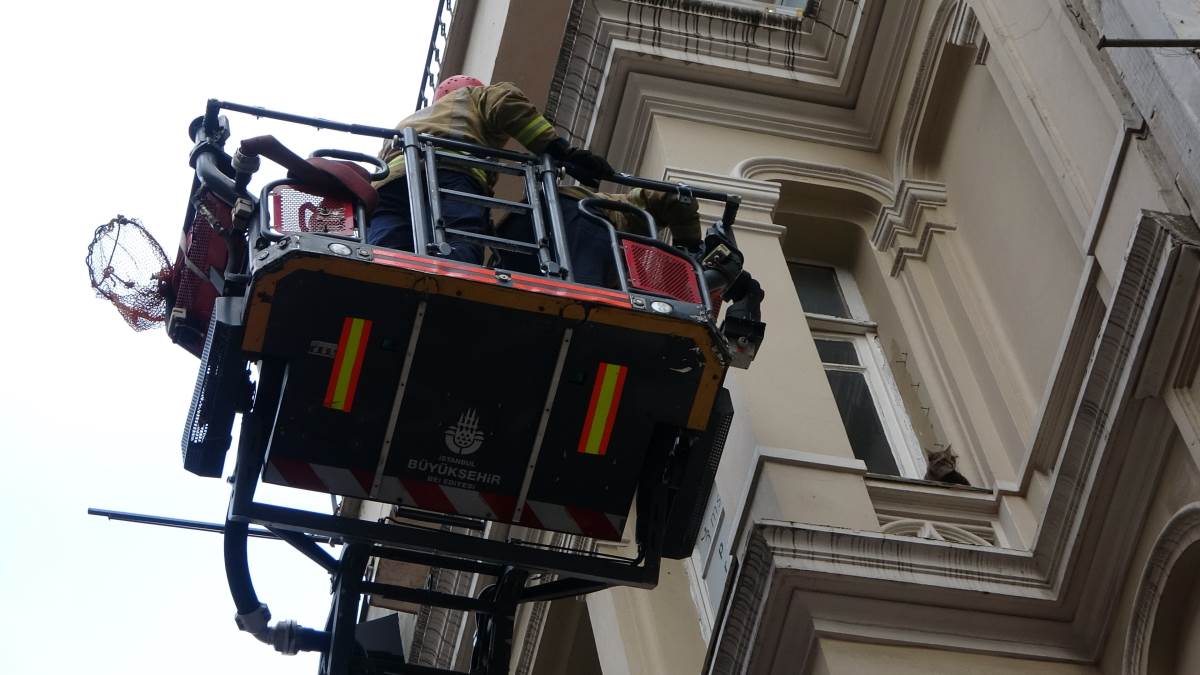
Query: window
[[847, 342]]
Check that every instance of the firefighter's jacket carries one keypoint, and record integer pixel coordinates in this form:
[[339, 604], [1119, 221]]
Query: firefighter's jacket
[[487, 115], [680, 216]]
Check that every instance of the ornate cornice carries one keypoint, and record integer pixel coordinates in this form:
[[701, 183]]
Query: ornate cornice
[[904, 208], [921, 250], [906, 214], [768, 168]]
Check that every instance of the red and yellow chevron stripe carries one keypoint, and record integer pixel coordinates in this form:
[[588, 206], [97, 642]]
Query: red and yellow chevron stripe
[[602, 409], [347, 364]]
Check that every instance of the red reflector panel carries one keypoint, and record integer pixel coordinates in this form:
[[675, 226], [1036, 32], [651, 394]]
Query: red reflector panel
[[656, 271], [294, 210]]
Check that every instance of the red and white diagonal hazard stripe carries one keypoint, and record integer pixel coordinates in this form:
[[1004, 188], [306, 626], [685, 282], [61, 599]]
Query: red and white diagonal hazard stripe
[[443, 499], [319, 477], [550, 516]]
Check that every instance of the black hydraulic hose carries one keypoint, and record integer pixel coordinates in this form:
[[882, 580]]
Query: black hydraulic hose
[[749, 304], [237, 567], [213, 178], [208, 157]]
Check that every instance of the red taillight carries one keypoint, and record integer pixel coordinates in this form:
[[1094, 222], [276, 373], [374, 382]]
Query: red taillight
[[656, 271]]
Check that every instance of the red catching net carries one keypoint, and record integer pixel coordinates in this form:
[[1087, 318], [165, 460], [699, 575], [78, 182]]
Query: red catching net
[[129, 269]]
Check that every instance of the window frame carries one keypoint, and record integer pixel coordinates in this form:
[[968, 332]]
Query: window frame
[[863, 333]]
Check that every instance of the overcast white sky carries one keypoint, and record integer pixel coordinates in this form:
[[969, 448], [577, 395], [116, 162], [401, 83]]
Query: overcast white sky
[[97, 97]]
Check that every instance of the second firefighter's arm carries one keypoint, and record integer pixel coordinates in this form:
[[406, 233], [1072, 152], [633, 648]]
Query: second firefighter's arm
[[670, 211], [505, 108]]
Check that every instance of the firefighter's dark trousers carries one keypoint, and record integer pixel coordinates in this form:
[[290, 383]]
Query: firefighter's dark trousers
[[588, 245], [391, 224]]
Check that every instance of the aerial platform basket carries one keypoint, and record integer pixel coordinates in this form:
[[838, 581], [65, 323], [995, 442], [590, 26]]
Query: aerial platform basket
[[460, 393]]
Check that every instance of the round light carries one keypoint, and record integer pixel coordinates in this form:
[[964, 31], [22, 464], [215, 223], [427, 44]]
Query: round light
[[660, 307], [340, 249]]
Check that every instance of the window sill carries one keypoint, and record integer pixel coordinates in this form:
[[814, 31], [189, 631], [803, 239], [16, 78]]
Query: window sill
[[840, 325]]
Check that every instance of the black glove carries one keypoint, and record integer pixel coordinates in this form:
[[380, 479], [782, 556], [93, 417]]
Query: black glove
[[586, 167]]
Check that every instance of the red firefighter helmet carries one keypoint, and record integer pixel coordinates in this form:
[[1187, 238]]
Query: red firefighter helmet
[[453, 83]]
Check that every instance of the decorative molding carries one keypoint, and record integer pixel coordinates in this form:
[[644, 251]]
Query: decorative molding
[[1180, 534], [921, 250], [436, 631], [1184, 270], [649, 97], [914, 111], [964, 26], [740, 621], [939, 531], [1054, 601], [906, 213], [959, 507], [784, 168], [531, 617], [1066, 378], [745, 55], [983, 51], [757, 195]]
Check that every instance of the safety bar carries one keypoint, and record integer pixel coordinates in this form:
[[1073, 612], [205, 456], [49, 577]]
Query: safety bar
[[588, 207], [429, 232], [732, 202]]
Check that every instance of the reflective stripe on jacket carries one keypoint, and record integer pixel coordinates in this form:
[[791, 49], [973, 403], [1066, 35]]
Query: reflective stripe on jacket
[[488, 116]]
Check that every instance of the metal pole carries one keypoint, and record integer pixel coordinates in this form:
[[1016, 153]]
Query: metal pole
[[183, 524], [558, 233], [319, 123], [432, 190], [1186, 43], [545, 260], [416, 193]]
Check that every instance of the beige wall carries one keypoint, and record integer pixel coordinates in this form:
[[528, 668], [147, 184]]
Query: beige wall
[[1013, 240], [648, 632], [686, 143], [487, 28]]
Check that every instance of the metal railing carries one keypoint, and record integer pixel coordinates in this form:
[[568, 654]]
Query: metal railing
[[437, 49]]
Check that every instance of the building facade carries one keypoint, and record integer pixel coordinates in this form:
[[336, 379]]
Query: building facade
[[976, 231]]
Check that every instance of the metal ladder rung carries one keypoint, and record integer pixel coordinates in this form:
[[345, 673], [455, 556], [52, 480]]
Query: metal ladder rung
[[481, 200], [487, 165], [495, 242]]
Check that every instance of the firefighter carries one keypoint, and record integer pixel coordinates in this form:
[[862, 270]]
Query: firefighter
[[466, 109], [588, 244]]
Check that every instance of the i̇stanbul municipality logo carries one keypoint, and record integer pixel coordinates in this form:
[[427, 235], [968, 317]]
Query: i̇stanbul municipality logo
[[464, 437]]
